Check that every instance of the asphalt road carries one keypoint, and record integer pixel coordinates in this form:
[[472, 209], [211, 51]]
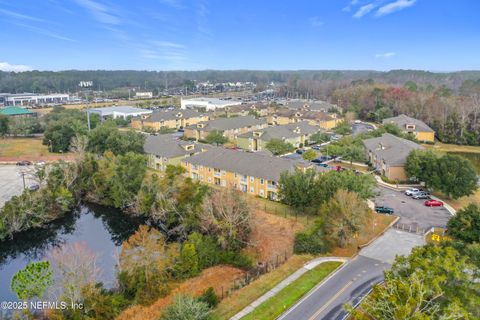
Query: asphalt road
[[11, 183], [412, 212], [354, 280]]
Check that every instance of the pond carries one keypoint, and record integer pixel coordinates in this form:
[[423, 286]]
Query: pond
[[102, 229], [473, 157]]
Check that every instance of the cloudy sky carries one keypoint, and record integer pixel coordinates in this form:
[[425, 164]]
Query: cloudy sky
[[437, 35]]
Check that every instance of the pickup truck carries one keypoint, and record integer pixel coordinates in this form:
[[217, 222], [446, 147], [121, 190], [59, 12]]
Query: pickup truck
[[382, 209]]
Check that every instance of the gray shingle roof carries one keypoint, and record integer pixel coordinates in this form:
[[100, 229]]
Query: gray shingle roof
[[402, 120], [247, 163], [122, 109], [391, 149], [164, 115], [286, 131], [223, 124], [168, 146]]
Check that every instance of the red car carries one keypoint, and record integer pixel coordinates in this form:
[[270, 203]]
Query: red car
[[433, 203]]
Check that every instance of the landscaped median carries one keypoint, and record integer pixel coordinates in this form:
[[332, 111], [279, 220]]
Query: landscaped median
[[288, 296]]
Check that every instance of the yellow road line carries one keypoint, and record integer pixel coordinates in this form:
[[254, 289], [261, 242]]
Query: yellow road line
[[331, 300]]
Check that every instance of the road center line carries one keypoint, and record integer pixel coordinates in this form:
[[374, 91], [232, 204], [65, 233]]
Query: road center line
[[331, 300]]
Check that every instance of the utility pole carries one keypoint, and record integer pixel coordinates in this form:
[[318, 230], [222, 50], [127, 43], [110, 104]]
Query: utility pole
[[22, 173]]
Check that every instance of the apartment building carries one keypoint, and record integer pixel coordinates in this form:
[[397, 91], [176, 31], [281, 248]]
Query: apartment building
[[297, 134], [388, 154], [245, 109], [230, 127], [253, 173], [324, 120], [169, 119], [418, 128], [165, 149]]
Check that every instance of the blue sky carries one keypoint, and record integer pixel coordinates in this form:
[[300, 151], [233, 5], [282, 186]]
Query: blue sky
[[437, 35]]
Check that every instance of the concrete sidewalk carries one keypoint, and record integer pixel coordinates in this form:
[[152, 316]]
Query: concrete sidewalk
[[294, 276]]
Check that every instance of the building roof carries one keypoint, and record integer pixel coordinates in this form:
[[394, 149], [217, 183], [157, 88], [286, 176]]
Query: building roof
[[215, 101], [119, 109], [247, 163], [14, 111], [391, 149], [168, 146], [285, 131], [402, 120], [314, 105], [223, 124], [165, 115], [247, 107], [304, 114]]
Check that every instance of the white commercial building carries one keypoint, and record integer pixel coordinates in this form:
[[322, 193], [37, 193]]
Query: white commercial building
[[25, 99], [119, 112], [144, 95], [207, 103]]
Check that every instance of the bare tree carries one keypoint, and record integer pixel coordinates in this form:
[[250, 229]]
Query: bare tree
[[75, 267]]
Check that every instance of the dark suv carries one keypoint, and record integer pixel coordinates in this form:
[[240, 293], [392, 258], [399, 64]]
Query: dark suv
[[382, 209]]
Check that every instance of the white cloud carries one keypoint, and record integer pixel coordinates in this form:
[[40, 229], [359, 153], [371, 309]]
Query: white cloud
[[363, 10], [315, 22], [101, 12], [385, 55], [44, 32], [350, 5], [167, 44], [20, 16], [5, 66], [394, 6]]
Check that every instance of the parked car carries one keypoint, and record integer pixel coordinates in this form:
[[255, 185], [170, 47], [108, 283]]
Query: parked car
[[358, 121], [433, 203], [412, 191], [34, 187], [300, 151], [24, 163], [316, 147], [323, 165], [385, 210], [317, 161], [421, 195]]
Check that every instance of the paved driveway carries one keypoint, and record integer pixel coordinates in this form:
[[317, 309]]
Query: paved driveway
[[412, 212], [11, 183]]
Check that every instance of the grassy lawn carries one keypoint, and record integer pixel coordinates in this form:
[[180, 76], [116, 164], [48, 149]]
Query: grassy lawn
[[16, 147], [243, 297], [444, 147], [283, 300]]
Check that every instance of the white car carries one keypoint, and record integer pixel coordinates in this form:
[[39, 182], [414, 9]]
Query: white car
[[412, 191], [358, 121]]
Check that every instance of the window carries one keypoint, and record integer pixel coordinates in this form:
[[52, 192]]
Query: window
[[224, 173], [252, 179], [262, 193], [210, 179], [252, 190], [261, 181]]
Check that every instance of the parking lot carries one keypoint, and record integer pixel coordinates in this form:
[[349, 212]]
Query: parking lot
[[11, 182], [412, 212]]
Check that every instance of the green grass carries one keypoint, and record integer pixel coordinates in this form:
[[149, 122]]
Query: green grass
[[278, 304]]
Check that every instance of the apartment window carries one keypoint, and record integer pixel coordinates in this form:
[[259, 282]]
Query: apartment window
[[262, 193], [201, 167], [224, 173], [261, 181], [209, 169], [252, 179], [210, 179], [252, 190], [235, 174]]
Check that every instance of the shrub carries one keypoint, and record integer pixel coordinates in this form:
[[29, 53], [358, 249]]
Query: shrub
[[210, 297]]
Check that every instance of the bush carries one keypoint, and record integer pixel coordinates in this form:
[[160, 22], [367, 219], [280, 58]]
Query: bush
[[210, 298], [186, 308], [312, 241]]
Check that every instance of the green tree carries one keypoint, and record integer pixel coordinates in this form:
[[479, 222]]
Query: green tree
[[433, 282], [32, 281], [465, 225], [457, 176], [309, 155], [57, 136], [4, 125], [354, 153], [423, 166], [319, 137], [279, 147], [187, 264], [299, 189], [186, 308], [107, 137], [216, 137], [345, 215], [343, 128]]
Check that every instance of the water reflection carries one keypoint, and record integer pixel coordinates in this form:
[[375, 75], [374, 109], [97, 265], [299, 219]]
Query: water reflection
[[102, 229]]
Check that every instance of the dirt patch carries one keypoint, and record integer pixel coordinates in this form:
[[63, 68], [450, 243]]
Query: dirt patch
[[216, 277], [29, 148], [272, 235]]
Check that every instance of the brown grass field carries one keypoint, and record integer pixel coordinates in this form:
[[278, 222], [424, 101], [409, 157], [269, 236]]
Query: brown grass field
[[444, 147], [31, 148]]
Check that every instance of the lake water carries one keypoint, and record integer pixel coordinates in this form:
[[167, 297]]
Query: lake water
[[102, 229]]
